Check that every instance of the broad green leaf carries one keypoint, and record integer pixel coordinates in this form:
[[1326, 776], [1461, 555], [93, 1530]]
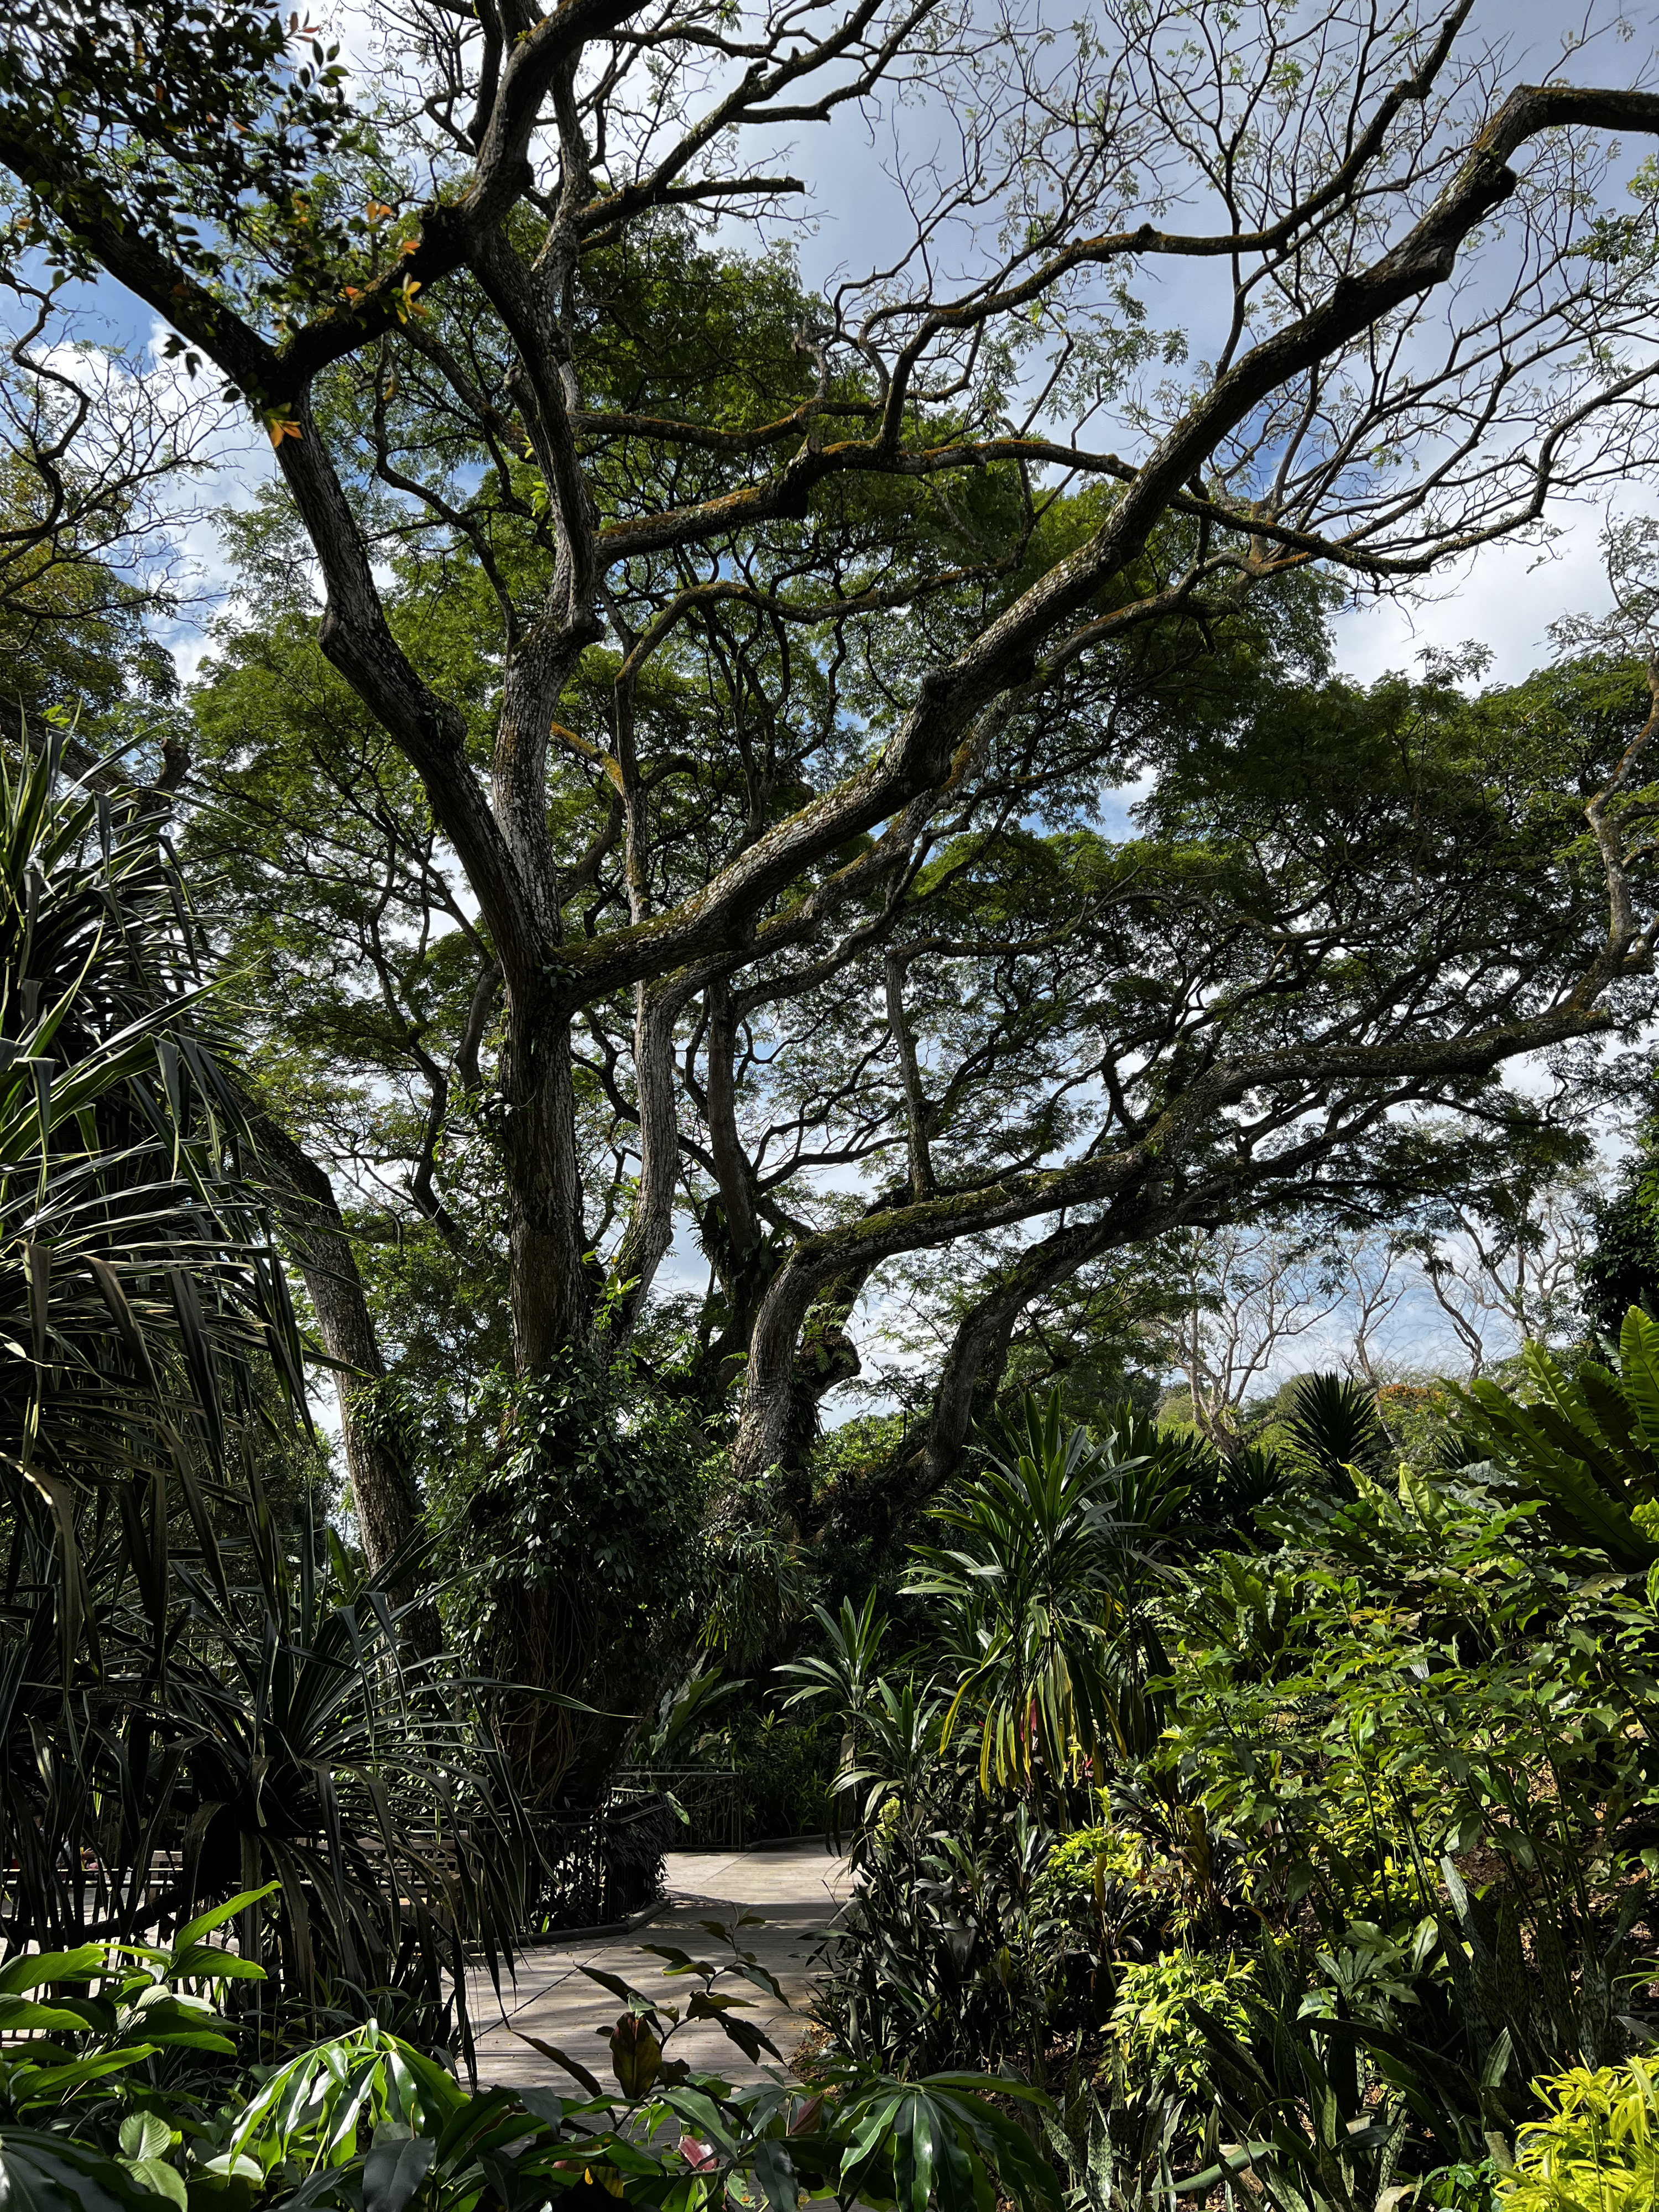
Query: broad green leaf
[[394, 2169], [195, 1929], [30, 1971], [161, 2180]]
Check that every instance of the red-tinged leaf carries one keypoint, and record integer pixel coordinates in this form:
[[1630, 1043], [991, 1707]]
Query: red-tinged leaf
[[573, 2067]]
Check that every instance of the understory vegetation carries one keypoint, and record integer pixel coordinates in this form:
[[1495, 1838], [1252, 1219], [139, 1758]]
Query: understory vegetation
[[1322, 1846]]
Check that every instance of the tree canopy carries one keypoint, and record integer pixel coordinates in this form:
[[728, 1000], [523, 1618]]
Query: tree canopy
[[858, 766]]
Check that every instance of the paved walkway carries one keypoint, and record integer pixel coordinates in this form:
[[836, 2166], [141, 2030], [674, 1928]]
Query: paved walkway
[[796, 1888]]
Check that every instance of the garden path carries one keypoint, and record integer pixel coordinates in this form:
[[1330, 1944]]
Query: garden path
[[797, 1889]]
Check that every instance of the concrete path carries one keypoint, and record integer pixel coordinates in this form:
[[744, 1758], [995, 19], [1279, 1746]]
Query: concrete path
[[796, 1888]]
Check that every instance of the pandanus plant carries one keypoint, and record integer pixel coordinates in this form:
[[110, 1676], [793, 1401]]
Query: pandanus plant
[[139, 1285], [189, 1708]]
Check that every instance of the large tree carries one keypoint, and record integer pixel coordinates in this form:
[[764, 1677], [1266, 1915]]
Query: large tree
[[796, 609]]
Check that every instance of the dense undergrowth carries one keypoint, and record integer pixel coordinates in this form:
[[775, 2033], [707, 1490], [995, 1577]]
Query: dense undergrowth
[[1319, 1844]]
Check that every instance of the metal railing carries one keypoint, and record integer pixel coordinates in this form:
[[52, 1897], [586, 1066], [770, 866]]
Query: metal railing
[[605, 1863], [706, 1802]]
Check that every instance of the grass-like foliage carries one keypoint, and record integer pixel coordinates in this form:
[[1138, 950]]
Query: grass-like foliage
[[196, 1698]]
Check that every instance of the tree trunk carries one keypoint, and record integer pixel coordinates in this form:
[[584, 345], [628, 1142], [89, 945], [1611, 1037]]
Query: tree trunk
[[382, 1487], [546, 1240], [979, 1351], [650, 1230]]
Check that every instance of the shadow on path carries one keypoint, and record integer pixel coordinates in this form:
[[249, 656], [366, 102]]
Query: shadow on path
[[796, 1888]]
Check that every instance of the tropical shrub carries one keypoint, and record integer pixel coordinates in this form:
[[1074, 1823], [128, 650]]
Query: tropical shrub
[[1597, 2147], [1154, 2018], [1585, 1445], [114, 2061], [1463, 1675], [1038, 1606], [785, 1769], [1394, 1683], [941, 1959], [979, 1932], [140, 1290]]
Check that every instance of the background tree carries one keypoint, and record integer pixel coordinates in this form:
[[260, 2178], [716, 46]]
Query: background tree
[[800, 619], [97, 452], [1620, 1268], [1248, 1293], [1505, 1268]]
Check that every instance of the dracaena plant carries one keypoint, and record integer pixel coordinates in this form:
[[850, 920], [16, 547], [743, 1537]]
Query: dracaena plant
[[1039, 1599]]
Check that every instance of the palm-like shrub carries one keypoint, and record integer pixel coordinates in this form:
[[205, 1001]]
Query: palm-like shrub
[[1584, 1444], [191, 1704], [138, 1284], [1038, 1600]]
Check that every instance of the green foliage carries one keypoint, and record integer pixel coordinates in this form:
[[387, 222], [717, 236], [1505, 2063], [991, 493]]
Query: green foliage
[[1278, 1925], [1152, 2019], [286, 1737], [579, 1557], [173, 1677], [979, 1931], [1453, 1673], [139, 1288], [847, 1670], [602, 1467], [1039, 1599], [1586, 1444], [196, 123], [115, 2092], [1079, 1860], [1333, 1423], [1621, 1268], [1218, 1494], [1597, 2147], [1296, 2091], [115, 2057], [944, 1957], [72, 638], [786, 1770]]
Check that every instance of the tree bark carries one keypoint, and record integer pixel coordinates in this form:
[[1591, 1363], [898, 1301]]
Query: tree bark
[[382, 1486], [650, 1228], [979, 1350], [545, 1241], [731, 1166], [915, 1098]]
